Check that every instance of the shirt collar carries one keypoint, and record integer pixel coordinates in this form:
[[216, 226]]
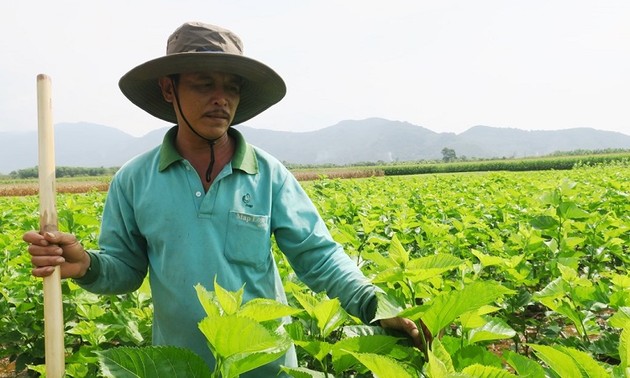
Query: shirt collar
[[244, 157]]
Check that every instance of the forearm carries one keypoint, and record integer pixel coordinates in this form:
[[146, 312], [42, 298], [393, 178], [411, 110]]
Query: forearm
[[108, 275]]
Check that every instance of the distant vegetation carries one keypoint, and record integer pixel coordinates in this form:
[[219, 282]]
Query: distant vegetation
[[556, 161], [30, 173], [450, 163]]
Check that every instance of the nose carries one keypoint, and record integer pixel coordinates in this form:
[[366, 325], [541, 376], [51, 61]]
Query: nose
[[219, 97]]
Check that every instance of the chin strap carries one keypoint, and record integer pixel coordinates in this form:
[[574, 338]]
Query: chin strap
[[211, 142]]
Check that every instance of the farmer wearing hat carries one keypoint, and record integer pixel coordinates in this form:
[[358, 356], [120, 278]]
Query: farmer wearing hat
[[205, 203]]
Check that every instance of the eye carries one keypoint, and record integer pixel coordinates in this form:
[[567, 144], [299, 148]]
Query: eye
[[234, 88]]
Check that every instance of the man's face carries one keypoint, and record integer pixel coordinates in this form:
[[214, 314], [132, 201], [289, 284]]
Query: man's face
[[208, 100]]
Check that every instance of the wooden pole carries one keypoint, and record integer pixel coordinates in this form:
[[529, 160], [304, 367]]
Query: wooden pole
[[53, 307]]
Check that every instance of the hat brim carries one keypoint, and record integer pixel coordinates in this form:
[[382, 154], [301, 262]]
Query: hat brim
[[262, 86]]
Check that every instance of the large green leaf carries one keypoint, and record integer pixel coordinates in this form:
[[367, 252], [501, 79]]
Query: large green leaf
[[525, 367], [262, 309], [316, 348], [480, 371], [226, 333], [544, 222], [308, 302], [621, 319], [446, 307], [398, 253], [238, 364], [570, 210], [424, 268], [494, 329], [206, 298], [329, 315], [304, 373], [377, 344], [386, 307], [585, 361], [624, 348], [382, 366], [440, 363], [242, 343], [151, 362], [558, 361], [230, 301]]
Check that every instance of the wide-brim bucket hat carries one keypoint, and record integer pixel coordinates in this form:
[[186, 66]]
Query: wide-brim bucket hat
[[200, 47]]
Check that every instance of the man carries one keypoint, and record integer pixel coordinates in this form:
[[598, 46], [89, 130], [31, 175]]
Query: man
[[205, 203]]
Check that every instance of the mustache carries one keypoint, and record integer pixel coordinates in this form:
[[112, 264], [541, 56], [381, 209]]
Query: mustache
[[220, 113]]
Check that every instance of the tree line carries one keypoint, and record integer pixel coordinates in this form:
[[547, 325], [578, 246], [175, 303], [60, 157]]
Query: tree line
[[65, 172]]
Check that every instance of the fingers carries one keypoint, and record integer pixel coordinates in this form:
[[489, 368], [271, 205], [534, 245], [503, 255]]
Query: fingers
[[33, 237], [421, 338], [43, 271], [45, 254], [427, 334]]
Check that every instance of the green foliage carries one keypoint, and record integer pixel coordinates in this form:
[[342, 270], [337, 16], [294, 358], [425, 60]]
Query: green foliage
[[154, 362], [238, 341], [92, 322], [514, 273], [516, 165]]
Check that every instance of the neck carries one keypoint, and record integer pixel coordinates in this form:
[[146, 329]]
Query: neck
[[198, 152]]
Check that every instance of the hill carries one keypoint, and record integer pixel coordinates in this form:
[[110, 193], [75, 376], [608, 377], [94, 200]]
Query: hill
[[369, 140]]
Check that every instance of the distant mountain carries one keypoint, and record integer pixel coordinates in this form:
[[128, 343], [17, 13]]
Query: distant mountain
[[369, 140]]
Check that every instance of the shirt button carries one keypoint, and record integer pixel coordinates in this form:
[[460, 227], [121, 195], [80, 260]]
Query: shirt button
[[198, 194]]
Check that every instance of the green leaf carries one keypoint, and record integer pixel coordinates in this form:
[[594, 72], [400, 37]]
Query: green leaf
[[476, 318], [329, 315], [308, 302], [558, 361], [554, 289], [303, 372], [206, 298], [230, 301], [585, 361], [474, 354], [440, 363], [377, 344], [263, 309], [316, 348], [544, 222], [151, 362], [390, 275], [382, 366], [240, 354], [570, 210], [426, 267], [495, 329], [525, 367], [446, 307], [386, 307], [487, 260], [480, 371], [397, 252], [551, 198], [621, 319], [346, 234], [624, 348]]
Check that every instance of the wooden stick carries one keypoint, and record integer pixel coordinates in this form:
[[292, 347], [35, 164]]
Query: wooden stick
[[53, 307]]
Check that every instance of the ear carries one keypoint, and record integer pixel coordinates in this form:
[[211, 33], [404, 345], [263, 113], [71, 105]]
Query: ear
[[166, 85]]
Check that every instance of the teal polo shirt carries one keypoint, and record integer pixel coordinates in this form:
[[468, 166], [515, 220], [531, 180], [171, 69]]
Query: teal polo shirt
[[158, 219]]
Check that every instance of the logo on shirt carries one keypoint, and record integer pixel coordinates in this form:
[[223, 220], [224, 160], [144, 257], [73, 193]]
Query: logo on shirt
[[257, 220], [246, 200]]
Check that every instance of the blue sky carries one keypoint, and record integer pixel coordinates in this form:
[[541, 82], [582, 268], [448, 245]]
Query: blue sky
[[443, 65]]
